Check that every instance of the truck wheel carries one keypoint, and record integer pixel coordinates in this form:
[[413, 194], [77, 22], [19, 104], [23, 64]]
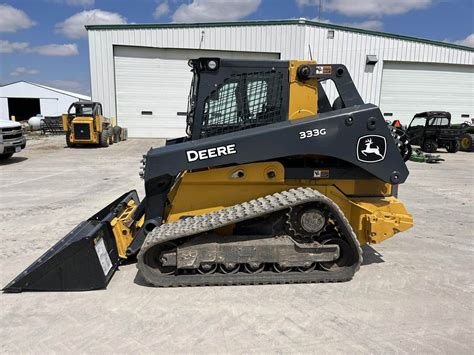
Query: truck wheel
[[111, 135], [117, 133], [429, 146], [466, 142], [5, 156], [104, 138], [452, 147], [68, 140]]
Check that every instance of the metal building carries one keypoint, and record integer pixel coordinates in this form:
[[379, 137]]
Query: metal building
[[23, 100], [140, 72]]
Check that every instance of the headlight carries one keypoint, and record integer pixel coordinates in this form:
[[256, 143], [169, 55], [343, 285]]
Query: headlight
[[212, 65]]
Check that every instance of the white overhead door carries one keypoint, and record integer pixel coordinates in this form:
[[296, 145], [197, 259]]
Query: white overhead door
[[409, 88], [152, 86]]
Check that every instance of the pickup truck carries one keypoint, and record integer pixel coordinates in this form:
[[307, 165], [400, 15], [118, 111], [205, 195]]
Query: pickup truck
[[12, 139]]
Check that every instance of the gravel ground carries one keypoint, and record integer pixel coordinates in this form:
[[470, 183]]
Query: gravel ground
[[414, 293]]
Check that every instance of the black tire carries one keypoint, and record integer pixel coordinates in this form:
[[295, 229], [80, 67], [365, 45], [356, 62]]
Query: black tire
[[117, 132], [68, 140], [104, 138], [5, 156], [452, 147], [111, 135], [465, 142], [429, 146]]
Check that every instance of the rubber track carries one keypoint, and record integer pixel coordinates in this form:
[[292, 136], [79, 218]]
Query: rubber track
[[237, 213]]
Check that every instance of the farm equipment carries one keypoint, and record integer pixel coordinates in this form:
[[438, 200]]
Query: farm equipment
[[432, 130], [85, 124], [52, 125], [401, 139], [466, 141], [420, 157], [272, 184]]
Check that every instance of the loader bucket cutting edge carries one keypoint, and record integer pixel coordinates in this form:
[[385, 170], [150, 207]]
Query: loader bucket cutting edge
[[85, 259]]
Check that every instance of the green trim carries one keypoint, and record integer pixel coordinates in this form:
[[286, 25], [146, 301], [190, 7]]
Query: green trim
[[277, 22]]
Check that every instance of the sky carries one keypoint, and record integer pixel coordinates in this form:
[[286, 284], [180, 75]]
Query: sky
[[44, 41]]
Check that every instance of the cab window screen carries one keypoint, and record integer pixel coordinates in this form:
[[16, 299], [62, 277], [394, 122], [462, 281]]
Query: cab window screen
[[243, 101]]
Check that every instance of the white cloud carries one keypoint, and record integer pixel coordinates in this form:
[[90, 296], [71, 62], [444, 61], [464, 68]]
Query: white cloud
[[468, 41], [13, 19], [373, 25], [61, 50], [161, 10], [69, 85], [83, 3], [24, 71], [10, 47], [375, 8], [73, 27], [58, 50], [80, 2], [215, 10]]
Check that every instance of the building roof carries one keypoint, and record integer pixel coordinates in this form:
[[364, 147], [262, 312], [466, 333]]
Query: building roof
[[277, 22], [64, 92]]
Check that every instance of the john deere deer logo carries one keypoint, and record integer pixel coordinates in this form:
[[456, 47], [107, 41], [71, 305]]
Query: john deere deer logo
[[371, 149]]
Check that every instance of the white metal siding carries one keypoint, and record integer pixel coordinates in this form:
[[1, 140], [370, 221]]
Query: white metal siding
[[409, 88], [351, 48], [286, 40], [50, 107], [51, 102], [157, 81], [292, 41], [4, 109]]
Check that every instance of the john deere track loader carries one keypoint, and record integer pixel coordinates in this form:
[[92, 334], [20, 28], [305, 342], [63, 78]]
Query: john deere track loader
[[272, 184]]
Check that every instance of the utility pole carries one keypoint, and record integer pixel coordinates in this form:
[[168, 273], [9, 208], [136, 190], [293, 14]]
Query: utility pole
[[320, 9]]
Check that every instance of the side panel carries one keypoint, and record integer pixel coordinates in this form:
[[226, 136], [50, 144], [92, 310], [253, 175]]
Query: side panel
[[341, 136]]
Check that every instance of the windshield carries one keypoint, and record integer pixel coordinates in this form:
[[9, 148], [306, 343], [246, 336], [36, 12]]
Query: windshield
[[84, 110], [81, 109], [418, 122], [192, 103]]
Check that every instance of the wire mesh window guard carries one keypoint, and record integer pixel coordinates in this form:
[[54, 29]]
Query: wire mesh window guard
[[243, 101]]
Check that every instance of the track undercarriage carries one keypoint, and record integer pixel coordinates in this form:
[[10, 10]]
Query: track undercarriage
[[289, 237]]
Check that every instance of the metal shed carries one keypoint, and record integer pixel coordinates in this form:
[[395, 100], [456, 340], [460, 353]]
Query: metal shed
[[24, 99], [140, 74]]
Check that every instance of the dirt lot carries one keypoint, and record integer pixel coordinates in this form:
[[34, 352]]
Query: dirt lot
[[414, 293]]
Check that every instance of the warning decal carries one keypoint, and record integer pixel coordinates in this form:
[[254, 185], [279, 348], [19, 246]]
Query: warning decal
[[103, 256]]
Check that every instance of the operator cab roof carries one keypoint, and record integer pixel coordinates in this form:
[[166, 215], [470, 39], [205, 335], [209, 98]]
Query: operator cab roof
[[429, 114], [85, 102]]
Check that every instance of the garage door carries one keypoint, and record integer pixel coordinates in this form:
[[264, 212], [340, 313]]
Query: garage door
[[409, 88], [152, 86]]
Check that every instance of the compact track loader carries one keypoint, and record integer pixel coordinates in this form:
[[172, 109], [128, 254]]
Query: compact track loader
[[272, 184]]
